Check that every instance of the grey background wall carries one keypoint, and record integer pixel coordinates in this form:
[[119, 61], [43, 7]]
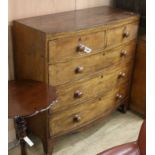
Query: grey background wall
[[22, 9]]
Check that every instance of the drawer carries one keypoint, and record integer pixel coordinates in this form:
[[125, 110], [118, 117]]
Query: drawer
[[122, 34], [62, 73], [87, 112], [90, 87], [72, 47]]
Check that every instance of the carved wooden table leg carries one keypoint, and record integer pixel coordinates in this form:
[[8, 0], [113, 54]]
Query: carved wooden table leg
[[23, 147], [28, 98], [21, 132]]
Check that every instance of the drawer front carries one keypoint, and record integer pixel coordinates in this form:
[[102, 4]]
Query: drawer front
[[122, 34], [62, 73], [88, 88], [67, 48], [80, 115]]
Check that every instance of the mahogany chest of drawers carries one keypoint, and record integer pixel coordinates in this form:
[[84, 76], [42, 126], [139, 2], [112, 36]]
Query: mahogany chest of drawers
[[87, 55]]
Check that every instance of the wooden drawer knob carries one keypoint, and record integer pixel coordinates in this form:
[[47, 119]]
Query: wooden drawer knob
[[80, 48], [123, 53], [126, 34], [119, 96], [83, 48], [77, 118], [121, 75], [79, 69], [78, 94]]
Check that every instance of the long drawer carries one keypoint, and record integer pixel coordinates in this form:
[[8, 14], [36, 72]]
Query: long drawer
[[70, 47], [80, 115], [62, 73], [90, 87]]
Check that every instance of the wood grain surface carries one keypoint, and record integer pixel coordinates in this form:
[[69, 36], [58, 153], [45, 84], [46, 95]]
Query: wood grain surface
[[30, 64], [131, 29], [77, 20], [94, 41], [90, 64], [63, 122], [138, 92], [28, 97], [91, 87]]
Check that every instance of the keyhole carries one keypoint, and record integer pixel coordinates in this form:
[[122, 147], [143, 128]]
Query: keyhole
[[80, 39], [100, 99]]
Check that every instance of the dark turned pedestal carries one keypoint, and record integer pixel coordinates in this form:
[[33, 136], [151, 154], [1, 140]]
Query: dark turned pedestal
[[26, 99]]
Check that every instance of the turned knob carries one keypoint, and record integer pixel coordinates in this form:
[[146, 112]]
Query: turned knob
[[80, 48], [119, 96], [126, 34], [123, 53], [77, 118], [78, 94], [121, 75], [79, 69]]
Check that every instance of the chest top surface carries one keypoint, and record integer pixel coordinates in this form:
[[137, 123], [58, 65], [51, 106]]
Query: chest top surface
[[77, 20]]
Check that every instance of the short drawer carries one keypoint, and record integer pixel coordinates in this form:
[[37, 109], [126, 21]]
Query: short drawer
[[122, 34], [85, 89], [64, 49], [62, 73], [85, 113]]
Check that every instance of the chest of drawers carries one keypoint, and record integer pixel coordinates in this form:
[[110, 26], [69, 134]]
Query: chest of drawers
[[87, 55]]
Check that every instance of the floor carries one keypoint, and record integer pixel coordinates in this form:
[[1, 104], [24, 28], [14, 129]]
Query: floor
[[118, 128]]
